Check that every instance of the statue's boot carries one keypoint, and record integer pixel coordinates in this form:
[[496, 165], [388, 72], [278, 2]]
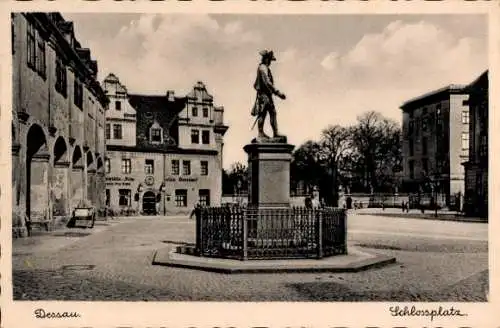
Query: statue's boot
[[262, 135]]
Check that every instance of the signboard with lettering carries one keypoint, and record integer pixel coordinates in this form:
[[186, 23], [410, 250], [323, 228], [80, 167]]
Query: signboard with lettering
[[119, 181], [181, 179]]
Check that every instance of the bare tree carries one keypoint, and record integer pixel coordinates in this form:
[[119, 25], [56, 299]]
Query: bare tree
[[378, 143], [335, 142]]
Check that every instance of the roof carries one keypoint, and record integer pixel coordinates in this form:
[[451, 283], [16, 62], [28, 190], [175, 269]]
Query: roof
[[433, 95], [147, 103], [481, 81]]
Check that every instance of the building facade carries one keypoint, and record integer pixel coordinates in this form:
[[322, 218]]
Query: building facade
[[164, 153], [476, 168], [435, 144], [58, 117]]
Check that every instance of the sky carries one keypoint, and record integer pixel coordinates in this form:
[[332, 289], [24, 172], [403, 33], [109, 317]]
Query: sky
[[332, 68]]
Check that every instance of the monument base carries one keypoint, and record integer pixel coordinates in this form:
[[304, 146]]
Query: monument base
[[269, 172]]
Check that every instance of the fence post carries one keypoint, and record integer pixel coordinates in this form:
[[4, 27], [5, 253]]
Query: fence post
[[199, 232], [344, 237], [245, 235], [319, 231]]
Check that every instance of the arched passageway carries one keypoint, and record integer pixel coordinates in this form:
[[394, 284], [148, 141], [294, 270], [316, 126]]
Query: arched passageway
[[60, 176], [37, 170]]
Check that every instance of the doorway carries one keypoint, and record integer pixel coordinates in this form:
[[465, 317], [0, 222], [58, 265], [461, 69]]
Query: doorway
[[149, 203]]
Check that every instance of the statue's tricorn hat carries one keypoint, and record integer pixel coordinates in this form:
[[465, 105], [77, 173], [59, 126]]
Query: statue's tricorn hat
[[267, 54]]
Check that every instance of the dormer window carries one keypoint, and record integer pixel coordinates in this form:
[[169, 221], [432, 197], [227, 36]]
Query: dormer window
[[156, 133], [118, 105], [205, 112], [194, 111]]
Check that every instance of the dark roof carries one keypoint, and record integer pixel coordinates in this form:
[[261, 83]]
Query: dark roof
[[146, 103], [169, 150], [433, 96], [480, 82]]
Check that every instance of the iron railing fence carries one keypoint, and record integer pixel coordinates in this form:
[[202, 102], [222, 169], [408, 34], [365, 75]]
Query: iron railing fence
[[256, 233]]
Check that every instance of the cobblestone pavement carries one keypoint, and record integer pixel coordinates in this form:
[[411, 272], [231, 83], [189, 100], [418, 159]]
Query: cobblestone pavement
[[436, 261]]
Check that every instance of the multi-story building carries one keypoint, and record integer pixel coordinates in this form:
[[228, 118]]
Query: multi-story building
[[58, 117], [476, 168], [436, 143], [164, 153]]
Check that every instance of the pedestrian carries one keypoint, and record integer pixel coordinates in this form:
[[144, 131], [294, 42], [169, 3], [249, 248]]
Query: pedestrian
[[195, 211], [348, 202], [308, 202]]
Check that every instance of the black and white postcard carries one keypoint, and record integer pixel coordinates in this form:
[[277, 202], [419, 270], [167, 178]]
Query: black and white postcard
[[272, 163]]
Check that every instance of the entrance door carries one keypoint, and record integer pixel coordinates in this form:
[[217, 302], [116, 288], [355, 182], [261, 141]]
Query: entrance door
[[149, 203]]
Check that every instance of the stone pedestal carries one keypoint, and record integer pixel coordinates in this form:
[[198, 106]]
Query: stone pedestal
[[269, 173]]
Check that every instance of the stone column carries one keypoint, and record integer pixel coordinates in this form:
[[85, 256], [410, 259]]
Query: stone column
[[76, 185], [91, 187], [60, 192], [39, 185], [269, 174]]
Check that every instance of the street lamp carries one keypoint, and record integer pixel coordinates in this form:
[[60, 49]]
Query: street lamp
[[162, 190]]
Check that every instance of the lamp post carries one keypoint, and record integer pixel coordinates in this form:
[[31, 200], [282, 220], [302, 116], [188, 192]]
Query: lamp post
[[139, 191], [162, 190]]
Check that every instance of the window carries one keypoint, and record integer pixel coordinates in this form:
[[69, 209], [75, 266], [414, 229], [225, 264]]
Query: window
[[108, 197], [125, 199], [465, 140], [118, 105], [117, 131], [205, 137], [411, 127], [204, 167], [425, 166], [205, 112], [126, 166], [204, 197], [61, 77], [78, 93], [12, 33], [175, 167], [186, 167], [31, 46], [411, 147], [412, 169], [108, 131], [181, 197], [465, 117], [424, 124], [40, 56], [194, 111], [195, 136], [107, 165], [149, 166], [424, 146], [483, 146], [155, 135]]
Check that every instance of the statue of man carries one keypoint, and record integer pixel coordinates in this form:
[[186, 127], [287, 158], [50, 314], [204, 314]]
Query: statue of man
[[264, 85]]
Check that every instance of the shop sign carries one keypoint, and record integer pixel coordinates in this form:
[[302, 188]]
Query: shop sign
[[118, 181], [181, 179]]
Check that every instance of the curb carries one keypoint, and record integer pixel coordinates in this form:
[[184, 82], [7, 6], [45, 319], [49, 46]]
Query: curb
[[272, 266], [452, 219]]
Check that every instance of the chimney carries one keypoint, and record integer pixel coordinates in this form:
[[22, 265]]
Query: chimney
[[170, 95]]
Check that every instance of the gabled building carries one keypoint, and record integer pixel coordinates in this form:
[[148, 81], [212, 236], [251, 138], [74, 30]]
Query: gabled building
[[58, 117], [476, 168], [164, 153]]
